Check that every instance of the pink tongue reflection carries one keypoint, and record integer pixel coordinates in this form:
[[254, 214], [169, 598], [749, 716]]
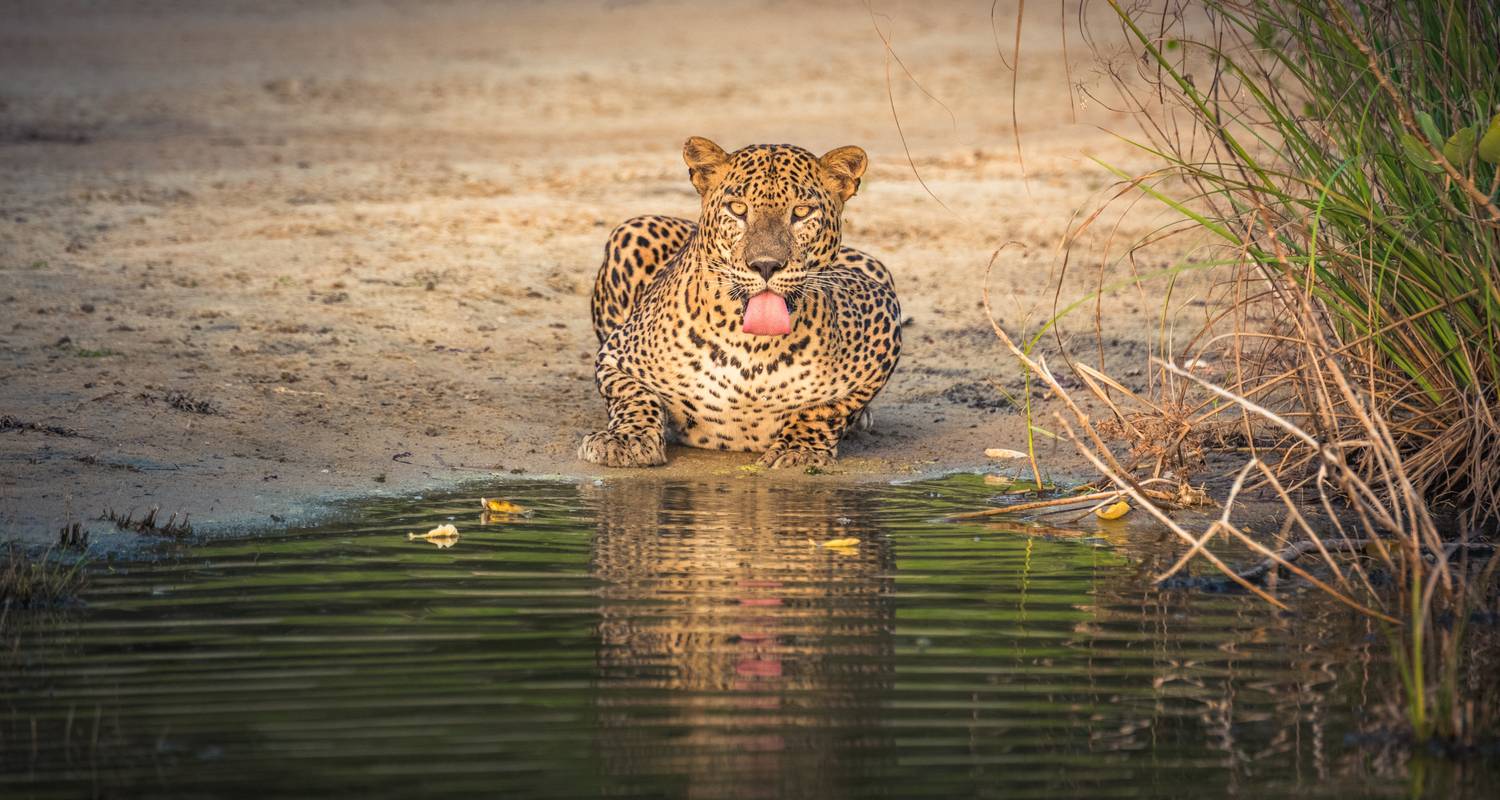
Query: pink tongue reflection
[[766, 315]]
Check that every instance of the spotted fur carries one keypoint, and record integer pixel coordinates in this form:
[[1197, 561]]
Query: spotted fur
[[668, 307]]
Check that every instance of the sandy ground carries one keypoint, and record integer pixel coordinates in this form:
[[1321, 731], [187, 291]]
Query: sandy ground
[[256, 255]]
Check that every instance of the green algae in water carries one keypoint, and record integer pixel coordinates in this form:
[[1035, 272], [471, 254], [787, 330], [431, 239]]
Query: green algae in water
[[670, 638]]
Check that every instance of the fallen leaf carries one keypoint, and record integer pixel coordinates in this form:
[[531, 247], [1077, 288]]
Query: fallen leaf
[[848, 541], [441, 536], [1115, 511], [500, 506], [1001, 452]]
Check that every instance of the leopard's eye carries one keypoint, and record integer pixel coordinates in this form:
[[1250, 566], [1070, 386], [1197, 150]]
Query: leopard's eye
[[801, 212], [737, 208]]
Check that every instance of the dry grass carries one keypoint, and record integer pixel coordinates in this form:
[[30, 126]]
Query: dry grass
[[32, 583], [1431, 584], [1355, 227], [1358, 328], [149, 524]]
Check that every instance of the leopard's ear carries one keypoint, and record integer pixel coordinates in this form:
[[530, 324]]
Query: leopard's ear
[[842, 168], [706, 162]]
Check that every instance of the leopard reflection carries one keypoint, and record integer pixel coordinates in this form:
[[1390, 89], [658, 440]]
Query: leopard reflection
[[739, 656]]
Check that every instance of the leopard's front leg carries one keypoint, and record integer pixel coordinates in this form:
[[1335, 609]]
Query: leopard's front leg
[[810, 438], [636, 436]]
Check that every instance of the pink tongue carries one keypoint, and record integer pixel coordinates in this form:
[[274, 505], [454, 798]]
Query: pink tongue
[[765, 315]]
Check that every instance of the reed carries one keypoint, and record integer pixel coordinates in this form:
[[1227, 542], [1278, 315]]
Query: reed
[[1343, 156], [1344, 153]]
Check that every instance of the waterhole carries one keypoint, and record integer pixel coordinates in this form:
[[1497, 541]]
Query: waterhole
[[688, 639]]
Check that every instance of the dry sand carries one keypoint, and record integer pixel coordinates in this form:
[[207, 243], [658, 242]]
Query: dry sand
[[261, 255]]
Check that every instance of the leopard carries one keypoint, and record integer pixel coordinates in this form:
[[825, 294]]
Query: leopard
[[753, 329]]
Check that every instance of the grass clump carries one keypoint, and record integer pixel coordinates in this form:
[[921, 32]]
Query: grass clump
[[1345, 158], [1345, 155], [31, 583], [148, 523], [1338, 150]]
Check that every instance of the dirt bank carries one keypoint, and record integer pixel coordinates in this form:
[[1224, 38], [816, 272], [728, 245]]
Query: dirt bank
[[254, 256]]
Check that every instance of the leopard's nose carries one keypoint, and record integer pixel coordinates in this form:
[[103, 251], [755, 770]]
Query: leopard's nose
[[767, 266]]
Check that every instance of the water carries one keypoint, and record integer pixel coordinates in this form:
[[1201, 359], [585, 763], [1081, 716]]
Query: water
[[687, 640]]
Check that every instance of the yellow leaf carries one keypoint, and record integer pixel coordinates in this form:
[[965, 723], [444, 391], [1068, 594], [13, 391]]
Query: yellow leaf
[[441, 536], [849, 541], [1115, 511], [500, 506], [1001, 452]]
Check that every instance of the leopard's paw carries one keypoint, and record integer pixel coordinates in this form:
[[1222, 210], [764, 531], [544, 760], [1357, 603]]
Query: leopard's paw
[[793, 457], [623, 449]]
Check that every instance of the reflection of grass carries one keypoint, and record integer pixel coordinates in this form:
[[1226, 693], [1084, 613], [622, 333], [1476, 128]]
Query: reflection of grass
[[1032, 587], [37, 583]]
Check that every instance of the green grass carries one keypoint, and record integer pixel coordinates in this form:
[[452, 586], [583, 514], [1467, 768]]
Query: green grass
[[1345, 154], [1319, 159]]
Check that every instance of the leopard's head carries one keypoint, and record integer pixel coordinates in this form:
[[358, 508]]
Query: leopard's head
[[771, 215]]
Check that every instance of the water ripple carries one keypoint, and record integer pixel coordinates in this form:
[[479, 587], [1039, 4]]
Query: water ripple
[[681, 639]]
